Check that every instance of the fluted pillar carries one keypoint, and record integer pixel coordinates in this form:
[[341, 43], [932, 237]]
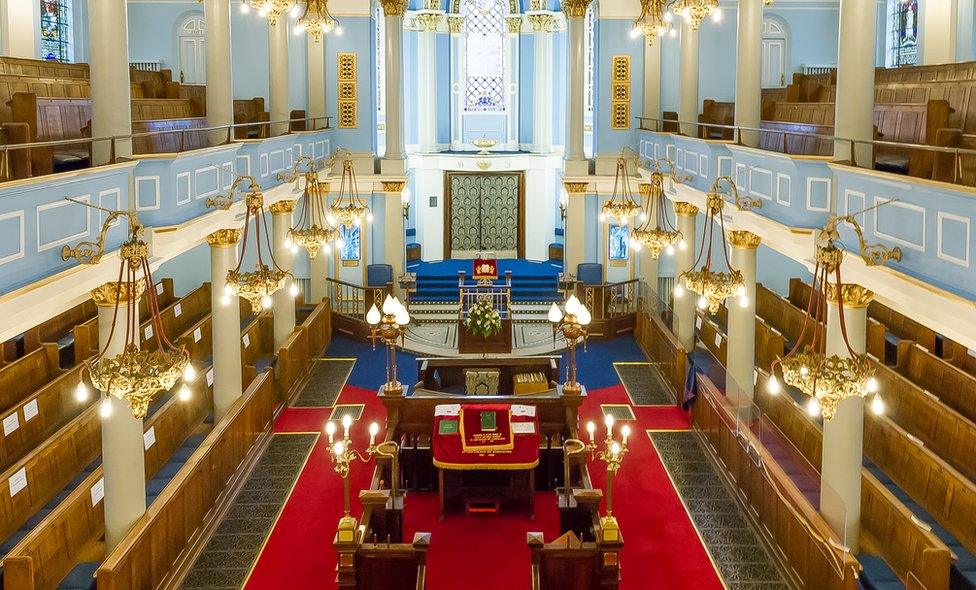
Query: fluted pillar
[[395, 239], [964, 30], [319, 266], [854, 110], [840, 485], [652, 79], [123, 455], [278, 74], [427, 81], [684, 259], [393, 160], [741, 362], [688, 79], [575, 10], [316, 81], [220, 90], [748, 70], [225, 321], [542, 27], [109, 75], [575, 240], [283, 302]]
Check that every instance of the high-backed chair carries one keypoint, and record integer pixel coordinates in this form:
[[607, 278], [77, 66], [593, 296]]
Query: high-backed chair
[[379, 275], [590, 273]]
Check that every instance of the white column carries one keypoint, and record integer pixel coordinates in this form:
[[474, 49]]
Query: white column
[[225, 321], [741, 362], [937, 37], [688, 79], [395, 240], [20, 29], [109, 73], [283, 302], [316, 80], [854, 113], [542, 89], [684, 259], [748, 69], [220, 90], [652, 79], [574, 238], [576, 163], [427, 84], [123, 457], [319, 266], [278, 74], [393, 159], [840, 486], [964, 30]]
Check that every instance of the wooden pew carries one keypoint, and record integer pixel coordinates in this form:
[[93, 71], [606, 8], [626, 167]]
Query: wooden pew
[[53, 119], [250, 111], [960, 71], [392, 566], [86, 334], [567, 562], [39, 68], [55, 329], [23, 377], [146, 555], [720, 113], [72, 532], [48, 87], [319, 324], [787, 520], [170, 136], [959, 355], [257, 347], [953, 386]]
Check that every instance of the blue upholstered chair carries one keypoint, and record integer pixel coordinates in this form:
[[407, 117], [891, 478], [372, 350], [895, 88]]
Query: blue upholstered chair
[[379, 275], [590, 273]]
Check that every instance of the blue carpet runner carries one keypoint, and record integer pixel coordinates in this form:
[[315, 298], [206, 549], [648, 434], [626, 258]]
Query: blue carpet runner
[[531, 281]]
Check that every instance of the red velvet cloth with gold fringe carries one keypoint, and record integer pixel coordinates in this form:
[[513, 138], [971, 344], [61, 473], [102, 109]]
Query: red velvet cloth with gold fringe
[[486, 436]]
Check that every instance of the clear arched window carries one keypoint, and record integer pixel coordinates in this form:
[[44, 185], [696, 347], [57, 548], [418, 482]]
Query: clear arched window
[[484, 55], [902, 32], [56, 34]]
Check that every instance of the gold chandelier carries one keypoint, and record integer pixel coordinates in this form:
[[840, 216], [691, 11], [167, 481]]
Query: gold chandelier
[[349, 209], [307, 232], [827, 380], [134, 375], [654, 20], [271, 8], [258, 285], [658, 234], [695, 11], [713, 287], [316, 20], [621, 206]]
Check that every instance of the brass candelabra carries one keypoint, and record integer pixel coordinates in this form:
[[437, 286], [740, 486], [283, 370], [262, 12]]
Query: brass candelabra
[[388, 327], [344, 454], [573, 325], [612, 454]]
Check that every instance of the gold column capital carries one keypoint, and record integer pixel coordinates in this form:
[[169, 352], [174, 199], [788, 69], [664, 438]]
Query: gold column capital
[[113, 293], [393, 7], [286, 206], [429, 21], [223, 238], [542, 23], [514, 23], [455, 24], [394, 186], [744, 239], [575, 8], [855, 296], [685, 209], [576, 188]]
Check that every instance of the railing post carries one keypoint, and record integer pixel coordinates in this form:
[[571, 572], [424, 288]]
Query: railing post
[[112, 150], [957, 167], [182, 140]]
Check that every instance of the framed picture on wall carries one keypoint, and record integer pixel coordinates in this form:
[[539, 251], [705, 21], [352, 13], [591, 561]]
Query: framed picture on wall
[[351, 252], [617, 251]]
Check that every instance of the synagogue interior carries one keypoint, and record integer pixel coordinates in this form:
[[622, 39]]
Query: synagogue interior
[[487, 294]]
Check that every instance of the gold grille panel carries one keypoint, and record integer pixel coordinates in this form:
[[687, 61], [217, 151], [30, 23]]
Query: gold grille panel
[[347, 93], [620, 92]]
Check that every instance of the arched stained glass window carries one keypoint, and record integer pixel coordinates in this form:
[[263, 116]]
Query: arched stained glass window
[[484, 56], [56, 30], [902, 32]]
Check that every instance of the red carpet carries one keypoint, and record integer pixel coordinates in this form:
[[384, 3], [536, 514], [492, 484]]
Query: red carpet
[[661, 547]]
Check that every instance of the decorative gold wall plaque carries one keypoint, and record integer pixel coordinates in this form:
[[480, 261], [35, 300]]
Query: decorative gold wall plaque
[[346, 90], [620, 92]]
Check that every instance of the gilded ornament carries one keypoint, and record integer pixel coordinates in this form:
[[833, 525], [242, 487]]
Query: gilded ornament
[[394, 186], [744, 239], [285, 206], [429, 21], [113, 293], [542, 23], [455, 24], [484, 164], [855, 296], [575, 8], [224, 237], [576, 188], [394, 7], [685, 209], [537, 5], [432, 4], [514, 24], [138, 375]]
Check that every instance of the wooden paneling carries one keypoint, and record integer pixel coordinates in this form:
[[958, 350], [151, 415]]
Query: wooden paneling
[[27, 374]]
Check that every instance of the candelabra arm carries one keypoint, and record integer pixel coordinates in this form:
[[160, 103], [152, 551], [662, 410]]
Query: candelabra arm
[[571, 448], [389, 450], [89, 252]]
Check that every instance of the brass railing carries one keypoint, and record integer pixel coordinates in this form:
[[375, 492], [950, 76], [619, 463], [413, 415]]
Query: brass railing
[[353, 301], [500, 295]]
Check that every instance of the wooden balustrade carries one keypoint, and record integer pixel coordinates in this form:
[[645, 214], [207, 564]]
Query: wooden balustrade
[[145, 557]]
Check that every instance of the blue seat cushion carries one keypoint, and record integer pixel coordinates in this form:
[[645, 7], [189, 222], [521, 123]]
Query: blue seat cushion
[[12, 540], [411, 232], [81, 577], [66, 340], [379, 275], [590, 273], [877, 575], [265, 362], [156, 485], [36, 519], [169, 470]]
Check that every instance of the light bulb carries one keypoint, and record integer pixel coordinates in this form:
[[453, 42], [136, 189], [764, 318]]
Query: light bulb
[[185, 393], [402, 317], [702, 302], [390, 305], [573, 305], [105, 409], [289, 241], [813, 407], [717, 15], [673, 33], [608, 421], [591, 428], [339, 31], [743, 301], [584, 316], [245, 8], [615, 448], [643, 217], [679, 291], [773, 386], [555, 316], [331, 219], [228, 290], [369, 218], [339, 448], [872, 385], [634, 33], [357, 222], [374, 429], [602, 216], [347, 421], [682, 245], [224, 300], [624, 221], [81, 392], [266, 302], [635, 244], [189, 373], [669, 250], [740, 290], [373, 316], [625, 432], [298, 29], [295, 11], [877, 405], [294, 290], [330, 429], [293, 248], [804, 370], [340, 244]]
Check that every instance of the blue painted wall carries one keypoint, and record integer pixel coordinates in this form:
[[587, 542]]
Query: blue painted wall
[[613, 38], [357, 38]]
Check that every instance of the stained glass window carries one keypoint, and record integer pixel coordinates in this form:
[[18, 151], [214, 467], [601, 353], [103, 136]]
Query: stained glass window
[[351, 243], [484, 63], [380, 48], [618, 235], [902, 31], [56, 30], [590, 24]]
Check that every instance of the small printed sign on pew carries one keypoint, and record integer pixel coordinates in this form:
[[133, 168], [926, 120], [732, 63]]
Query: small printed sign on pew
[[17, 481], [98, 491], [197, 335]]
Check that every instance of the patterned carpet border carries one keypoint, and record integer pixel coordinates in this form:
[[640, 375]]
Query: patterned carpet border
[[325, 383], [644, 384], [226, 562], [736, 551]]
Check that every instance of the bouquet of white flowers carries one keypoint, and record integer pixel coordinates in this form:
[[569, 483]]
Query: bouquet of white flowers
[[483, 319]]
